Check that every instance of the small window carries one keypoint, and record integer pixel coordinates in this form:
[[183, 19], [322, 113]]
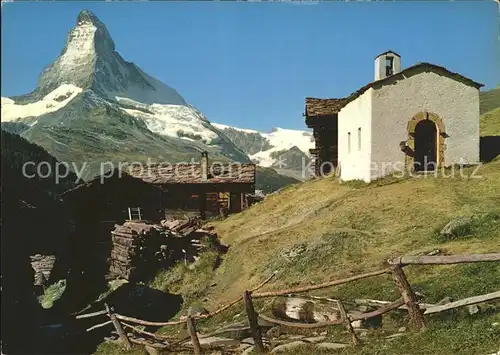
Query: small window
[[349, 142], [359, 138]]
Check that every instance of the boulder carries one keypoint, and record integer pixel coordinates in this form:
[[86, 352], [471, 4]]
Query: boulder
[[197, 311], [304, 309], [473, 309], [332, 345], [317, 339], [373, 322], [274, 332], [288, 346], [218, 341], [395, 336], [457, 227], [250, 341], [151, 350], [248, 350]]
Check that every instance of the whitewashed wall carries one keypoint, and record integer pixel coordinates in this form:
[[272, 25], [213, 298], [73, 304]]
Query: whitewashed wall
[[393, 105], [355, 165]]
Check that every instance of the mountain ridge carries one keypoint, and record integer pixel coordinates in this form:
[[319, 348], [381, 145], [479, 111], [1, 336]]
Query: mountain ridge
[[90, 105], [90, 99]]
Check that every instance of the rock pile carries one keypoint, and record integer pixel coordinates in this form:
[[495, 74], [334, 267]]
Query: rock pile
[[42, 265]]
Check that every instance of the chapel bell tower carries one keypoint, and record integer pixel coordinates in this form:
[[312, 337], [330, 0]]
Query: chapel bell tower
[[387, 64]]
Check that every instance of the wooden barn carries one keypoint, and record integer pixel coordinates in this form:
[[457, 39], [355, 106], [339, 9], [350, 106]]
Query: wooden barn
[[322, 116], [208, 189], [150, 193], [96, 206], [107, 198], [154, 191]]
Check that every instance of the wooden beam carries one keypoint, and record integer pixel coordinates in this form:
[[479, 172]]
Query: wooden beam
[[464, 302], [320, 286], [157, 336], [444, 259], [378, 303], [118, 327], [388, 307], [301, 325], [89, 315], [416, 316], [99, 325], [253, 322], [145, 322], [191, 326], [347, 321]]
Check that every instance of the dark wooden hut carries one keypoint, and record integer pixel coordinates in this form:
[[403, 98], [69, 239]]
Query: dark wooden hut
[[96, 206], [205, 188], [322, 116]]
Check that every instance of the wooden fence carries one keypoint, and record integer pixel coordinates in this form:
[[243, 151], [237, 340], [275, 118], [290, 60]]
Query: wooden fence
[[394, 267]]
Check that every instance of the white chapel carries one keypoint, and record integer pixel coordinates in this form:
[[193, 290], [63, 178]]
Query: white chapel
[[419, 118]]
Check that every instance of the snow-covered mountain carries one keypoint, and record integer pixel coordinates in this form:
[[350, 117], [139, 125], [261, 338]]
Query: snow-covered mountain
[[281, 148], [91, 96], [91, 105]]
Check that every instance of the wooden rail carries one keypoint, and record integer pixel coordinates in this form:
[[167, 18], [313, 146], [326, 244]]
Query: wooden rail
[[387, 308], [320, 286], [302, 325], [94, 314], [463, 302], [408, 301], [253, 322], [445, 259], [191, 326]]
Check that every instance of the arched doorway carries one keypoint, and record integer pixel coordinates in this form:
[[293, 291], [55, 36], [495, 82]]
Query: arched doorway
[[425, 146]]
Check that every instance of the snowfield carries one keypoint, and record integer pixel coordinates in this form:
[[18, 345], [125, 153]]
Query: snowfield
[[177, 121], [52, 102], [280, 139]]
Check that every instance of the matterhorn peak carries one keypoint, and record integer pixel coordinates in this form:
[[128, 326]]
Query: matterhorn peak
[[90, 29], [89, 62], [87, 16]]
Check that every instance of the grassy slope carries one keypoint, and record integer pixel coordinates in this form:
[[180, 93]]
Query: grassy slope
[[269, 180], [351, 228], [376, 222], [490, 123], [490, 112], [489, 100]]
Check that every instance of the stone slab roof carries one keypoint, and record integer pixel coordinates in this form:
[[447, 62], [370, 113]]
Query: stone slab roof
[[323, 107], [190, 173]]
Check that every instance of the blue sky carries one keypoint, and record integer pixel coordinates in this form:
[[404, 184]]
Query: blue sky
[[252, 64]]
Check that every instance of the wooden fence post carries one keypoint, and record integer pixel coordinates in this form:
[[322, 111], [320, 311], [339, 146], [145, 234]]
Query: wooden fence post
[[347, 321], [118, 327], [416, 316], [191, 326], [253, 322]]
